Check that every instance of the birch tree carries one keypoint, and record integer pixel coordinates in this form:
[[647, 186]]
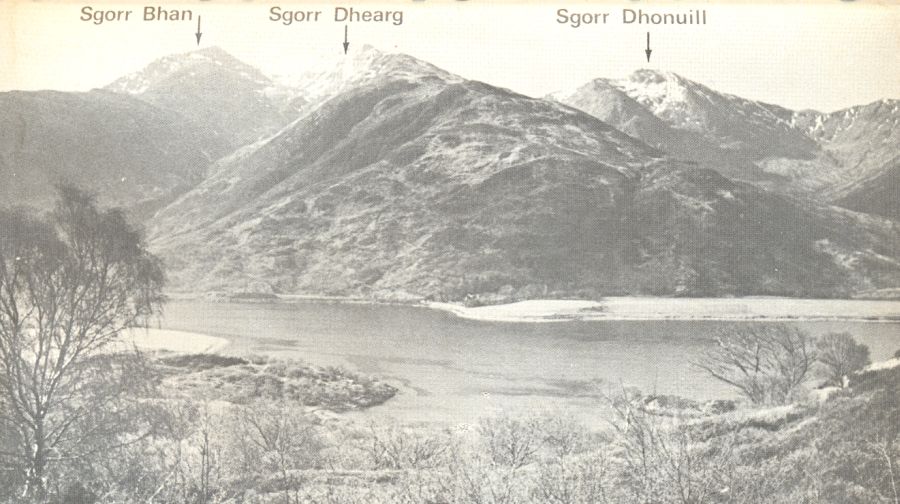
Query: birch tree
[[69, 284]]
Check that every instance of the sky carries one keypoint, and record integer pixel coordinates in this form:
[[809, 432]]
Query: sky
[[825, 55]]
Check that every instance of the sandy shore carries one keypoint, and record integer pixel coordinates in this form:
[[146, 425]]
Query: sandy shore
[[880, 366], [641, 308], [173, 341]]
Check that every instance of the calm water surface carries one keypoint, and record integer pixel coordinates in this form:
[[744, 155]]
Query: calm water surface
[[453, 370]]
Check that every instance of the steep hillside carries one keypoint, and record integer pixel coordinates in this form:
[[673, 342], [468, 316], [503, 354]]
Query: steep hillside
[[217, 91], [865, 140], [129, 152], [701, 233], [879, 194], [414, 182]]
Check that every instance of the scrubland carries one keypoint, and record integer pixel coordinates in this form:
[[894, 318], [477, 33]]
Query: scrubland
[[216, 429]]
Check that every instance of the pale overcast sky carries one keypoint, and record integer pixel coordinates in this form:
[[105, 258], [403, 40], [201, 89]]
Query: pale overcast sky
[[824, 56]]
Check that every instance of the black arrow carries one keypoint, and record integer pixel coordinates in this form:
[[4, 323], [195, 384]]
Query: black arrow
[[346, 44], [648, 51], [199, 33]]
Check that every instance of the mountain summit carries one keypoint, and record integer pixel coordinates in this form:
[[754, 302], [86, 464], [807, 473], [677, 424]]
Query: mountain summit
[[216, 91], [363, 66], [843, 157], [200, 64]]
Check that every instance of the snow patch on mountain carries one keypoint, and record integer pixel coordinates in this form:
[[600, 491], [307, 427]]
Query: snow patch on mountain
[[364, 66], [664, 93], [143, 80]]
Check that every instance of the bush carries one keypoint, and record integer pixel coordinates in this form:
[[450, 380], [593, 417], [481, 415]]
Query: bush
[[201, 362], [509, 441], [392, 447]]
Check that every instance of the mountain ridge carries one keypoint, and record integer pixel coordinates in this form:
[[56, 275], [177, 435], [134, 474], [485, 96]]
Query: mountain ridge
[[387, 177], [828, 156], [417, 183]]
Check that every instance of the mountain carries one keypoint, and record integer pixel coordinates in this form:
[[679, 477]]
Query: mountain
[[216, 91], [405, 182], [756, 129], [389, 177], [692, 122], [131, 153], [848, 157], [145, 138], [412, 182]]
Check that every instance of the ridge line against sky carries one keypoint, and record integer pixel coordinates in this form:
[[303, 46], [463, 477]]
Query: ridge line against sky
[[820, 56]]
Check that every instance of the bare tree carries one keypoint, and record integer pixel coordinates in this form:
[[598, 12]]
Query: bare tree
[[477, 479], [765, 362], [663, 460], [69, 284], [511, 442], [279, 439], [564, 436], [885, 450], [841, 355], [578, 479], [393, 447]]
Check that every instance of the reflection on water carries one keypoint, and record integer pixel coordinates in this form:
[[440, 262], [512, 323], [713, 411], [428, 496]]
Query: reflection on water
[[456, 370]]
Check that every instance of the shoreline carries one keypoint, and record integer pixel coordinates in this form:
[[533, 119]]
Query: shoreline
[[173, 341], [627, 308], [686, 309]]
